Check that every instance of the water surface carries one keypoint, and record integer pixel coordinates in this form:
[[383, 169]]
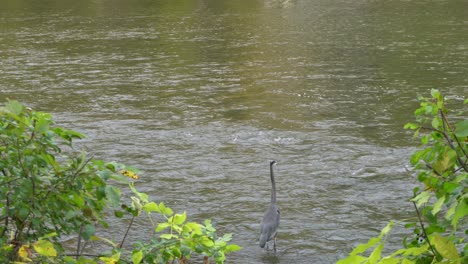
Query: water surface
[[200, 95]]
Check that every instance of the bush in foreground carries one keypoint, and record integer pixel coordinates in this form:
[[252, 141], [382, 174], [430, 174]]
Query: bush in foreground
[[47, 193], [441, 205]]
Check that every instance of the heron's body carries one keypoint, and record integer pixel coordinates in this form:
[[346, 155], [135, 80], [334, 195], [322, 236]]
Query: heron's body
[[270, 222]]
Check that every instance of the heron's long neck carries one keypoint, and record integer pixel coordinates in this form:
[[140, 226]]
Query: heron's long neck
[[273, 185]]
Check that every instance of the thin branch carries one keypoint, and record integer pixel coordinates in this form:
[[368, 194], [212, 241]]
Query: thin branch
[[73, 177], [33, 133], [126, 233], [82, 167], [446, 122], [433, 170], [78, 247], [449, 142], [7, 208], [424, 229]]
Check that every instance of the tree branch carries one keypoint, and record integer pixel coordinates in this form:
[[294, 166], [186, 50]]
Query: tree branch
[[449, 141], [424, 229], [126, 233]]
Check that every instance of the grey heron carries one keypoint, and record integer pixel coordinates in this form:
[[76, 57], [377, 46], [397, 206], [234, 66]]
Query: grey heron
[[270, 222]]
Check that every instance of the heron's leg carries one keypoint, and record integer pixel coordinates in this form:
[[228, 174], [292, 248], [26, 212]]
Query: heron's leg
[[274, 244]]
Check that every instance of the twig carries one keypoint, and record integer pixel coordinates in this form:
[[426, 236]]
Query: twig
[[424, 229], [446, 122], [7, 208], [78, 247], [449, 142], [126, 233]]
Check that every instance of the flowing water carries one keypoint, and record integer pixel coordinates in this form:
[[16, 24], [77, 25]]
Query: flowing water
[[200, 95]]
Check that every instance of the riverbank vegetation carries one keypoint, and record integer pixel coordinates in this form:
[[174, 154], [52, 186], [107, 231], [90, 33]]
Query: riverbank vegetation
[[440, 225], [49, 191]]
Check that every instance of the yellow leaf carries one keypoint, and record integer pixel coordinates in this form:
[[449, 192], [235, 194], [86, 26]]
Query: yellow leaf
[[137, 257], [446, 248], [45, 248], [24, 252], [112, 259], [129, 174]]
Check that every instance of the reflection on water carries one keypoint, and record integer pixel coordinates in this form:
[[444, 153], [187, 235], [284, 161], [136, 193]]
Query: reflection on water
[[200, 95]]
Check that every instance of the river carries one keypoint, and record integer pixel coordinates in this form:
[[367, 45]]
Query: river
[[201, 95]]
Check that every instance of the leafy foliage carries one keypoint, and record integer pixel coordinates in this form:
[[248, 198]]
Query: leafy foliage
[[182, 237], [47, 193], [442, 203]]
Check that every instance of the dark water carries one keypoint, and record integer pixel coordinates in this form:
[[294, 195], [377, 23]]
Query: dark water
[[200, 95]]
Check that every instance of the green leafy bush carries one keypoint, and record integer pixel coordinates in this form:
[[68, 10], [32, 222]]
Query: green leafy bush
[[441, 205], [47, 193], [182, 237]]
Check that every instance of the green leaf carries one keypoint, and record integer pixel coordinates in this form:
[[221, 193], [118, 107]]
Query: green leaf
[[449, 187], [460, 212], [363, 247], [411, 126], [179, 218], [42, 125], [446, 160], [421, 198], [425, 141], [14, 107], [23, 212], [445, 247], [165, 210], [168, 236], [176, 252], [435, 93], [416, 251], [412, 251], [113, 195], [112, 167], [161, 226], [354, 259], [436, 122], [376, 254], [208, 226], [88, 231], [45, 248], [207, 242], [137, 257], [386, 229], [407, 261], [227, 237], [118, 213], [193, 227], [461, 128], [438, 205], [220, 243], [232, 248], [78, 199], [151, 207], [388, 260]]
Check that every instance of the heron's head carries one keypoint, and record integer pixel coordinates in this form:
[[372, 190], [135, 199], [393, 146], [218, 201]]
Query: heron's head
[[273, 162]]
